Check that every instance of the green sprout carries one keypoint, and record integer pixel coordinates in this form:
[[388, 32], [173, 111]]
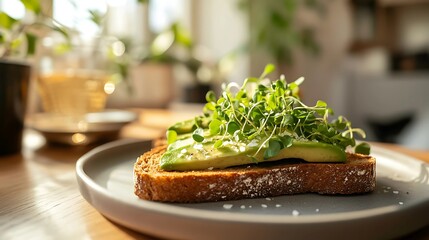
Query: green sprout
[[271, 114]]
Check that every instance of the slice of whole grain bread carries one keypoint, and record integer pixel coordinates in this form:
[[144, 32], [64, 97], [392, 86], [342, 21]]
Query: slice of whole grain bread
[[355, 176]]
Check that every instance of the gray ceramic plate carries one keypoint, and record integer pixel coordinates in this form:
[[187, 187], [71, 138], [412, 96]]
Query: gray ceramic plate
[[398, 206]]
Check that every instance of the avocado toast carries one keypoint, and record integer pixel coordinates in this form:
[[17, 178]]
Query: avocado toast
[[256, 140]]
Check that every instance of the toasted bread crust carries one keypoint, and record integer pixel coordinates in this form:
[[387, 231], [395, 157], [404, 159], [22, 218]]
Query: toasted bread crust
[[356, 175]]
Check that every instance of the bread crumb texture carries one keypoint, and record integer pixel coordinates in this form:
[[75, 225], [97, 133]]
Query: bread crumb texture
[[355, 176]]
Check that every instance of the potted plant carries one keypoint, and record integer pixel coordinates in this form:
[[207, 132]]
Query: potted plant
[[174, 47], [152, 80], [17, 42]]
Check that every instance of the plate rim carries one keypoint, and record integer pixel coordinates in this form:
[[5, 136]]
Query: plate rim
[[178, 211], [31, 122]]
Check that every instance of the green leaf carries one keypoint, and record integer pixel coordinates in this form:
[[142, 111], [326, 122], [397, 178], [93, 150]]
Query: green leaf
[[269, 68], [339, 123], [6, 21], [240, 94], [62, 48], [280, 87], [210, 96], [271, 101], [210, 106], [279, 20], [232, 127], [214, 126], [180, 36], [250, 80], [273, 149], [57, 28], [262, 89], [363, 148], [96, 17], [31, 43], [32, 5], [171, 136], [286, 141], [198, 135], [218, 143], [321, 104]]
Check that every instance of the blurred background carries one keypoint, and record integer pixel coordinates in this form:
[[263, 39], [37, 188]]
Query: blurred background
[[368, 59]]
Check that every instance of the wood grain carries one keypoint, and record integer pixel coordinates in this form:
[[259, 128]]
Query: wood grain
[[39, 199]]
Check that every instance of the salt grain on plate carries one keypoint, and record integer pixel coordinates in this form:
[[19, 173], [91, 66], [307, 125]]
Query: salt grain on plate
[[317, 210], [242, 207], [264, 205], [395, 192], [278, 205], [227, 206], [401, 203], [295, 213]]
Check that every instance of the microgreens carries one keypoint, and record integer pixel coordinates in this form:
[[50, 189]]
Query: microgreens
[[272, 114]]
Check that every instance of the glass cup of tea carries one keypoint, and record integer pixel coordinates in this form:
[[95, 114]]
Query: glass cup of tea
[[72, 77]]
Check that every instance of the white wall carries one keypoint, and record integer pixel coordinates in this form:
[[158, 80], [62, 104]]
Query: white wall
[[222, 28], [413, 27]]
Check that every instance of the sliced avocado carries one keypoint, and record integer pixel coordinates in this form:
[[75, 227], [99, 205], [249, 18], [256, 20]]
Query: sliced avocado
[[206, 156], [189, 125], [184, 127]]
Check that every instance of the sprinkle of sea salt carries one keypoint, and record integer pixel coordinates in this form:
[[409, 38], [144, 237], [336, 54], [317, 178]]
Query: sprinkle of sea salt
[[264, 205], [395, 192], [242, 207], [199, 146], [401, 203], [268, 199], [227, 206], [278, 205], [295, 213]]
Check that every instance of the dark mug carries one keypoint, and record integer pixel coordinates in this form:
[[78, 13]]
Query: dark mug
[[14, 81]]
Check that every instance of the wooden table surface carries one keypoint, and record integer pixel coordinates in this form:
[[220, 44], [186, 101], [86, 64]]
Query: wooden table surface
[[39, 196]]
